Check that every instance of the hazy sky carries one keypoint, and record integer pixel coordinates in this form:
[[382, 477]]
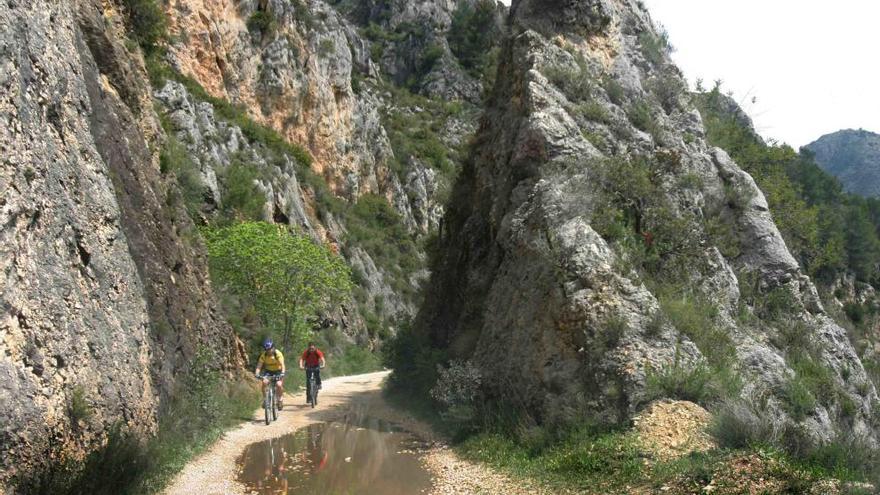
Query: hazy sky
[[812, 65]]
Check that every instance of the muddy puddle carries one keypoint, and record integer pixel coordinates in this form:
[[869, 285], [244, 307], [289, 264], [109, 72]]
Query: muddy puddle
[[368, 456]]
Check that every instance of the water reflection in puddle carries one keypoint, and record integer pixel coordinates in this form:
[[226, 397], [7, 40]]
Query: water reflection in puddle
[[336, 458]]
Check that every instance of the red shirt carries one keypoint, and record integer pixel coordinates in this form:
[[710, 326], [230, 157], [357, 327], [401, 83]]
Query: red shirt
[[312, 358]]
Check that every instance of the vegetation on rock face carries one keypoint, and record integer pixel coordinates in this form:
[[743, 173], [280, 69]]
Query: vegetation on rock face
[[414, 126], [261, 22], [174, 159], [830, 232], [285, 276], [146, 23], [473, 36]]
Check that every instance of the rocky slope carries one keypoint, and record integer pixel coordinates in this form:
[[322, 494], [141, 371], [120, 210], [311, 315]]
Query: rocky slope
[[104, 292], [596, 246], [327, 77], [853, 156]]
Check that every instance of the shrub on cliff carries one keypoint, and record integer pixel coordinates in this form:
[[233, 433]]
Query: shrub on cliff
[[261, 22], [146, 23], [473, 35]]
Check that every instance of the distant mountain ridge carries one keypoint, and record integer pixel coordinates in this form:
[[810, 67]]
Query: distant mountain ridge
[[853, 156]]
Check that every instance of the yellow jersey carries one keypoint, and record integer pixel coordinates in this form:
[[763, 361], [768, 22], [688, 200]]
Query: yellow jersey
[[271, 361]]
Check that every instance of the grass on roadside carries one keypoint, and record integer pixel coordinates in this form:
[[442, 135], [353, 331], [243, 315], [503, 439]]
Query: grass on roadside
[[585, 462], [191, 422]]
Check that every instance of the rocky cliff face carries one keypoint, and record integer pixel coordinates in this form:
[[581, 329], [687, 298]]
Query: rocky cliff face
[[853, 156], [296, 72], [327, 77], [593, 225], [104, 294]]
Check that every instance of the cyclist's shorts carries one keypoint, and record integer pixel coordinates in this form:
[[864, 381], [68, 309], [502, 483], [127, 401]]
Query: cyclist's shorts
[[271, 373]]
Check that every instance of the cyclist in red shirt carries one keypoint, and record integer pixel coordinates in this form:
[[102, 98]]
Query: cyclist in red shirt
[[312, 360]]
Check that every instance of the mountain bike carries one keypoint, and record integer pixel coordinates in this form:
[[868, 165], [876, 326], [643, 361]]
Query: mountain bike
[[269, 399], [312, 384]]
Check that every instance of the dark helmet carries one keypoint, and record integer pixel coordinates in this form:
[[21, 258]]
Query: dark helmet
[[268, 344]]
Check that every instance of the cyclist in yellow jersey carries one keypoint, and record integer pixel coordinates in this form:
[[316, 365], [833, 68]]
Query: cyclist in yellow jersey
[[272, 360]]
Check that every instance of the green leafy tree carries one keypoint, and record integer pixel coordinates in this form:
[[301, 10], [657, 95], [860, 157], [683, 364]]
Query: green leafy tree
[[285, 275]]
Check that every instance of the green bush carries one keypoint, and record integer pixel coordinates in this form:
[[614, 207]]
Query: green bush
[[738, 424], [655, 325], [847, 457], [242, 198], [430, 56], [723, 233], [668, 88], [79, 408], [615, 91], [798, 400], [778, 303], [417, 134], [575, 84], [697, 319], [632, 212], [353, 360], [377, 228], [655, 48], [641, 117], [146, 23], [813, 375], [175, 159], [793, 337], [473, 35], [593, 111], [326, 47], [738, 196], [695, 384], [261, 22], [303, 14]]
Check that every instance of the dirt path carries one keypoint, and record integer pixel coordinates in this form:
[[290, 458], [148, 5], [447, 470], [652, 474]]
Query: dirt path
[[214, 472]]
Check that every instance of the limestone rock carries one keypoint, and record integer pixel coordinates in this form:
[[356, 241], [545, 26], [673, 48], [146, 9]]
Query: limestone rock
[[105, 300], [528, 289]]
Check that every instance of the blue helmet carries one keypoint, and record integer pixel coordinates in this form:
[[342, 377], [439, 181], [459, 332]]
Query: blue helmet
[[268, 344]]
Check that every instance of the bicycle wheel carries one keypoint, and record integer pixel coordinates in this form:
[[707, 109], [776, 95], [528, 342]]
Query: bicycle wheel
[[274, 405], [313, 392], [266, 401]]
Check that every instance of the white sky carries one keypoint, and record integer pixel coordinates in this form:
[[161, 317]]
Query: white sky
[[811, 64]]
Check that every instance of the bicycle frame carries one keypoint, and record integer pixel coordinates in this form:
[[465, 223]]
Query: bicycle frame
[[269, 396], [312, 384]]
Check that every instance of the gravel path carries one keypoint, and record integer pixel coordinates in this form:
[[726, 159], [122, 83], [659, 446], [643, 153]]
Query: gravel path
[[214, 472]]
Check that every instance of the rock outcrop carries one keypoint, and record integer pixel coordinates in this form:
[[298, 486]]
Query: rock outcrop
[[105, 299], [590, 177], [853, 156], [295, 75]]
